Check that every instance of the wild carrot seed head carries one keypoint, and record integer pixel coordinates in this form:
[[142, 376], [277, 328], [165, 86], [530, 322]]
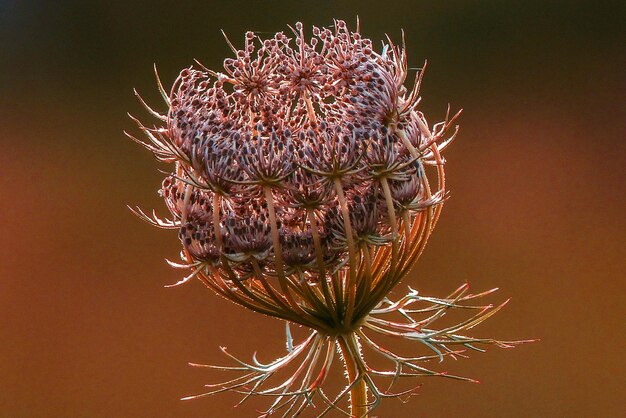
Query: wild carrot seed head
[[300, 190], [301, 163]]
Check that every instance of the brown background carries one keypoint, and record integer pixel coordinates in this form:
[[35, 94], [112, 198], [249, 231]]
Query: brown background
[[537, 207]]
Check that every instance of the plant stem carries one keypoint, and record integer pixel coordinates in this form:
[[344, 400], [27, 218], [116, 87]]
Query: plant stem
[[358, 393]]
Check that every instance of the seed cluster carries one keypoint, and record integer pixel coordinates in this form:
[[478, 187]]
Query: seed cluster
[[300, 189], [301, 166]]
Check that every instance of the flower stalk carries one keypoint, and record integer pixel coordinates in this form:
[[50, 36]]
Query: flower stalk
[[358, 391]]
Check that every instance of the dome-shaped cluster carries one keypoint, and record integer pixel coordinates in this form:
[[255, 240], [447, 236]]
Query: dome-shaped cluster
[[300, 184], [300, 190]]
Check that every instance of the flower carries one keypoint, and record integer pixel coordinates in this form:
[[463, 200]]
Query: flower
[[300, 188]]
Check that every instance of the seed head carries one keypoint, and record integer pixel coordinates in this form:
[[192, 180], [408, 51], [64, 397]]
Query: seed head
[[300, 184], [282, 160]]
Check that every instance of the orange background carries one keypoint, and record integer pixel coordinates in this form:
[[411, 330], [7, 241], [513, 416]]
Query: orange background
[[537, 208]]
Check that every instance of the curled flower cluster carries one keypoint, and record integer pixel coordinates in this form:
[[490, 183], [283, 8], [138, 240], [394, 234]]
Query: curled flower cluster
[[299, 185]]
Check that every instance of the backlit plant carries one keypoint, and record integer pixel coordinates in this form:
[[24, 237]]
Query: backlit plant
[[301, 188]]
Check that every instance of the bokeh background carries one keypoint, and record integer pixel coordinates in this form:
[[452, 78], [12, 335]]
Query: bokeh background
[[537, 209]]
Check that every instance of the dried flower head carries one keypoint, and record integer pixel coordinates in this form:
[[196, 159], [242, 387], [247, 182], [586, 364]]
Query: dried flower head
[[300, 188]]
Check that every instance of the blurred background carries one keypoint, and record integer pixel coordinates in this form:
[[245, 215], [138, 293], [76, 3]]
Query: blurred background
[[537, 209]]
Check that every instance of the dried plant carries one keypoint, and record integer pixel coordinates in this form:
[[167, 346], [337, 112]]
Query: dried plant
[[300, 189]]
